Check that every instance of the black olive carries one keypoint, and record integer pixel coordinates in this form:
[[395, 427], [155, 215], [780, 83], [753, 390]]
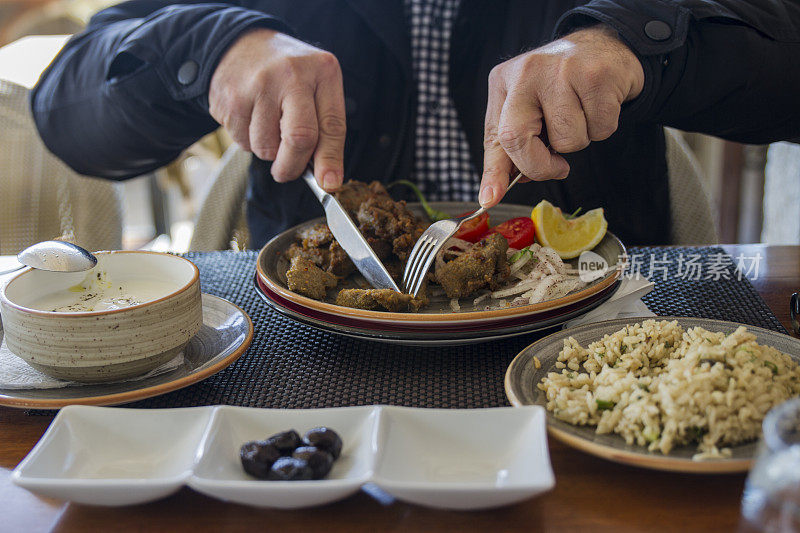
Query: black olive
[[290, 469], [257, 457], [318, 460], [286, 441], [324, 439]]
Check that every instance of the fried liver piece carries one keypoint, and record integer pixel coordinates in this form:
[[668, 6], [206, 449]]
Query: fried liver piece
[[315, 236], [375, 299], [389, 227], [483, 264], [304, 277], [329, 256]]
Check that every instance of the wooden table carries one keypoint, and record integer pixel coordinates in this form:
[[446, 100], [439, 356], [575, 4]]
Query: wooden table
[[590, 493]]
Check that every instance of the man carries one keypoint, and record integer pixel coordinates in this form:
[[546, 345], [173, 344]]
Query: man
[[432, 90]]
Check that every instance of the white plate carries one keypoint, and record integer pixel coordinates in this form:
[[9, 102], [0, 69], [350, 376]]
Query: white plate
[[113, 456], [463, 459], [219, 471], [445, 458]]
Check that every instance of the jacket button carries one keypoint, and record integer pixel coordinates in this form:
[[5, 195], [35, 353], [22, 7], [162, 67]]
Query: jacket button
[[658, 30], [188, 72], [384, 141]]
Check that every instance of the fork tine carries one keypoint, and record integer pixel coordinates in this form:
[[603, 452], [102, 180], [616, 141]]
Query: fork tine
[[426, 255], [421, 278], [413, 257], [418, 256]]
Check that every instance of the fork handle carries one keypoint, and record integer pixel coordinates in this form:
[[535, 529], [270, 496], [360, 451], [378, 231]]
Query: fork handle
[[482, 210]]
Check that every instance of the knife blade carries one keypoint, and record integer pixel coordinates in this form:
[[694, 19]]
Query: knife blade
[[350, 238]]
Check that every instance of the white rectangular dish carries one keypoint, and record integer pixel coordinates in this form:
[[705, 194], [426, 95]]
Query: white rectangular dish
[[443, 458]]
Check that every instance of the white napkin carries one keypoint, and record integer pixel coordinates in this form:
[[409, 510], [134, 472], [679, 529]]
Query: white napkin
[[625, 303], [17, 374]]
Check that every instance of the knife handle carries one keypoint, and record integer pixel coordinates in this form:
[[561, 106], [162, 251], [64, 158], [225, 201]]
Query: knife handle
[[309, 178]]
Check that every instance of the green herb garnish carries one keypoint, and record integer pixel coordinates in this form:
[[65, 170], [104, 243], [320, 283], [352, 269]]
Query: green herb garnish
[[574, 214], [432, 213], [520, 253], [603, 405], [772, 366], [650, 435], [643, 387], [697, 433]]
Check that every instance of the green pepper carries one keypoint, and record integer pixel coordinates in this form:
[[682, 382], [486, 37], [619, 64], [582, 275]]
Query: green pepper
[[432, 213], [603, 405]]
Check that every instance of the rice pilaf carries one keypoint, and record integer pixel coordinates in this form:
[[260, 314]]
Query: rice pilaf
[[660, 386]]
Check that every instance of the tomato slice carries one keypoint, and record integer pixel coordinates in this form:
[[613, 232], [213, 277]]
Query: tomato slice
[[473, 230], [518, 232]]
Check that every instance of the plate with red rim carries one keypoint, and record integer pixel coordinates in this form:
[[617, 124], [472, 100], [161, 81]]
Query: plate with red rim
[[409, 335], [271, 267]]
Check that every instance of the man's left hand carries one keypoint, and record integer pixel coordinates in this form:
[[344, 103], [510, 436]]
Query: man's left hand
[[572, 88]]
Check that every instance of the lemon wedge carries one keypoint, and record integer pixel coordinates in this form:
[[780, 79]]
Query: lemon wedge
[[568, 237]]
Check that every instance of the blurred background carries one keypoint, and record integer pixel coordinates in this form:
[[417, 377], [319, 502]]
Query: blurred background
[[753, 192]]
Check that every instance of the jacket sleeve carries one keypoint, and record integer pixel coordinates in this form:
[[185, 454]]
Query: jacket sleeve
[[729, 68], [127, 95]]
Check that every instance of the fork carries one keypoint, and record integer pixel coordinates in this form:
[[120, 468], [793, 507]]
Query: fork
[[429, 244]]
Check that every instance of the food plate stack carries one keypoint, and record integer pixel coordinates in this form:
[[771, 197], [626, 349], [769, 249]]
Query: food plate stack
[[438, 323]]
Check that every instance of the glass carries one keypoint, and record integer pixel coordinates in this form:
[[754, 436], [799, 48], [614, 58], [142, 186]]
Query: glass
[[771, 499]]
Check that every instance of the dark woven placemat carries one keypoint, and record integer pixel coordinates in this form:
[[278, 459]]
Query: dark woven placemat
[[295, 366]]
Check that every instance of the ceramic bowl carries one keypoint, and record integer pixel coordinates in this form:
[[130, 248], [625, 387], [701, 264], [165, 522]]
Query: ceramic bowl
[[108, 345]]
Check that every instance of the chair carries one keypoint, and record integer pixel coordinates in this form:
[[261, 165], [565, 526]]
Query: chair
[[220, 224], [691, 210], [221, 218], [40, 197]]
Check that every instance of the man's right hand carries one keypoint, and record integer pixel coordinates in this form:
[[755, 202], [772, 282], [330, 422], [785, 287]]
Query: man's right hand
[[283, 100]]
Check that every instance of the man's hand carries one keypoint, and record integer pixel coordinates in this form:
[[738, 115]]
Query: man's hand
[[572, 87], [283, 100]]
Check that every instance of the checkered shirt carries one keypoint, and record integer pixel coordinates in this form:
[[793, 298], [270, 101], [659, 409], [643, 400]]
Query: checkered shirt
[[443, 169]]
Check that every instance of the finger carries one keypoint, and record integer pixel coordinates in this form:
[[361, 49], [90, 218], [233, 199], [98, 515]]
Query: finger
[[601, 109], [265, 132], [238, 126], [299, 133], [520, 136], [496, 169], [328, 157], [233, 112], [566, 123], [496, 163]]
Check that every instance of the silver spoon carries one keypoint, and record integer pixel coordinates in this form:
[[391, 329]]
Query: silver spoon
[[57, 256]]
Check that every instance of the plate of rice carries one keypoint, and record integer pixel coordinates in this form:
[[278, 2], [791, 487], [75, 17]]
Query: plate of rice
[[680, 394]]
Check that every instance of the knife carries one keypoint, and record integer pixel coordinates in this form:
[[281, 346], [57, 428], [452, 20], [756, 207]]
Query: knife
[[350, 239]]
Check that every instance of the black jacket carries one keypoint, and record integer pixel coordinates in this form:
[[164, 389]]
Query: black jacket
[[123, 98]]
